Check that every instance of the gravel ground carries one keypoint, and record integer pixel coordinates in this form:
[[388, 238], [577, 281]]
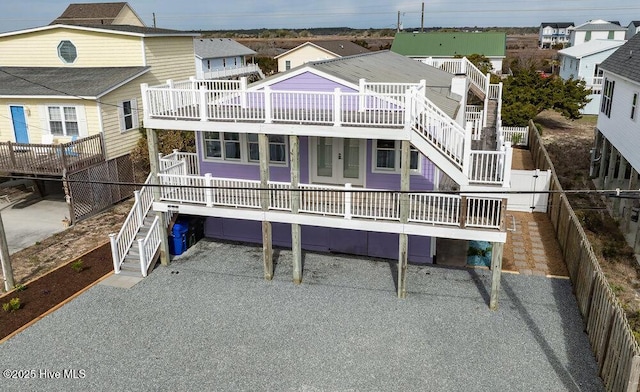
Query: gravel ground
[[210, 322]]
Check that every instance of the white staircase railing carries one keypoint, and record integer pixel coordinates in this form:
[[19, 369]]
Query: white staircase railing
[[461, 66], [148, 246], [440, 130], [122, 242]]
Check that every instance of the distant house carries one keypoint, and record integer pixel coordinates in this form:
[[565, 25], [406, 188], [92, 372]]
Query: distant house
[[317, 50], [583, 62], [632, 29], [616, 161], [554, 33], [218, 58], [99, 14], [596, 29], [438, 45]]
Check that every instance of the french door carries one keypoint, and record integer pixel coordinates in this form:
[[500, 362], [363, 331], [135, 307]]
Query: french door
[[337, 160]]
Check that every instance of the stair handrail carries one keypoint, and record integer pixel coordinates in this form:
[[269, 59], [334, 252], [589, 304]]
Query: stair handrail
[[446, 135], [149, 245], [476, 76], [122, 242]]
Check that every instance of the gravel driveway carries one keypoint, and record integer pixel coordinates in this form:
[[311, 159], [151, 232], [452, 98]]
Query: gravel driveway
[[210, 322]]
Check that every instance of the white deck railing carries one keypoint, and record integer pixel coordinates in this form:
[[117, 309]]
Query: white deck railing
[[475, 114], [517, 136], [231, 71], [491, 167], [149, 245], [345, 202], [122, 242], [461, 66], [190, 160]]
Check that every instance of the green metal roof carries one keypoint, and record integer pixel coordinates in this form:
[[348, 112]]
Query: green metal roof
[[490, 44]]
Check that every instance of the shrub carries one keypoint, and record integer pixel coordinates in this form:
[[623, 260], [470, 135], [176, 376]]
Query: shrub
[[12, 305], [77, 265], [20, 287]]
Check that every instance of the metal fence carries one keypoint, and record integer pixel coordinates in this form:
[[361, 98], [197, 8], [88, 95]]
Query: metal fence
[[90, 191], [612, 341]]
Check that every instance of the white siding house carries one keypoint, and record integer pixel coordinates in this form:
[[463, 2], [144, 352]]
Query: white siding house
[[633, 28], [596, 29], [583, 62], [554, 33], [616, 156]]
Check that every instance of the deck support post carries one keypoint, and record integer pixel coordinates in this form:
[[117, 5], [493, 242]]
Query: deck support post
[[267, 246], [154, 163], [496, 272], [296, 243], [403, 242], [604, 159], [613, 162]]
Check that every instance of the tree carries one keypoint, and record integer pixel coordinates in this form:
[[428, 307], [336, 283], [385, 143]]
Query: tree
[[527, 93]]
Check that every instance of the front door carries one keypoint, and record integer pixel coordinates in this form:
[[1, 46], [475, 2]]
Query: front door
[[337, 160], [19, 124]]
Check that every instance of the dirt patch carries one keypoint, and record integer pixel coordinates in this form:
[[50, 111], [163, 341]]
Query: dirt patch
[[569, 144], [44, 293], [62, 247]]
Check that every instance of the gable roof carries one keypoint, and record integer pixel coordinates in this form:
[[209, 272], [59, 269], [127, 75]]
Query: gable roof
[[599, 25], [137, 31], [65, 82], [557, 25], [625, 61], [338, 48], [93, 13], [591, 47], [207, 48], [490, 44], [634, 23], [384, 66]]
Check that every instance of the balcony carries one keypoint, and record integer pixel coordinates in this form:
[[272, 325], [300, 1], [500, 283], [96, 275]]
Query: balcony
[[51, 159], [229, 72]]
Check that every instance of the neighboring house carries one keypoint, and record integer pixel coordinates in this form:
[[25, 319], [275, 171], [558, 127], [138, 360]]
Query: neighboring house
[[223, 58], [99, 14], [552, 34], [317, 50], [80, 104], [632, 29], [583, 62], [313, 158], [448, 45], [616, 158], [596, 29]]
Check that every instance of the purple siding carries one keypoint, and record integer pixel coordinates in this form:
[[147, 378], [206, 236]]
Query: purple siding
[[383, 245], [422, 182]]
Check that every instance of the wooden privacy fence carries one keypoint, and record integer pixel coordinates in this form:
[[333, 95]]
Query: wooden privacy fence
[[612, 341], [89, 191]]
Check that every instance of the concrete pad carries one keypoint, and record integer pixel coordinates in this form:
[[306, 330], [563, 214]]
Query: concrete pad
[[121, 281], [33, 219]]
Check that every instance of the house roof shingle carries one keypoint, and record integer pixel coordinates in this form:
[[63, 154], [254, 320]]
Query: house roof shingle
[[389, 67], [59, 81], [122, 29], [625, 61], [557, 25], [207, 48], [591, 47], [90, 13], [341, 48], [599, 25], [490, 44]]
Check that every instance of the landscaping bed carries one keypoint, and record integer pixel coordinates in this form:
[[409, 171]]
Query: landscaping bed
[[46, 292]]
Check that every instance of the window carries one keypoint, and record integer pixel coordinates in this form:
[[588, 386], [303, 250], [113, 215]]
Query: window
[[243, 148], [128, 112], [634, 106], [63, 120], [67, 52], [607, 96], [387, 156], [587, 36], [610, 35], [287, 65]]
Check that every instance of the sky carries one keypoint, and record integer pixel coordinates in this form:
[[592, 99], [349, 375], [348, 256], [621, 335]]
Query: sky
[[242, 14]]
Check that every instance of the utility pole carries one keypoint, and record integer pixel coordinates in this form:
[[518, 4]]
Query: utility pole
[[154, 20], [422, 19], [398, 25], [7, 271]]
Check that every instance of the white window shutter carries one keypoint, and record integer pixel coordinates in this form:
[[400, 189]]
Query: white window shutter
[[82, 121], [135, 113], [44, 119], [121, 117]]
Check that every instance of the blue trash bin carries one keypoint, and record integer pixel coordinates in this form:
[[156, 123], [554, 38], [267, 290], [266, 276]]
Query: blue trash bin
[[178, 237]]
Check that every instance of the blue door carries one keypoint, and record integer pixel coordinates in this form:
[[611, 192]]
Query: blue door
[[19, 124]]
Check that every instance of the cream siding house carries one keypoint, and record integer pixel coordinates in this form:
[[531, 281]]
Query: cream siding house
[[99, 14], [315, 51], [155, 54]]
